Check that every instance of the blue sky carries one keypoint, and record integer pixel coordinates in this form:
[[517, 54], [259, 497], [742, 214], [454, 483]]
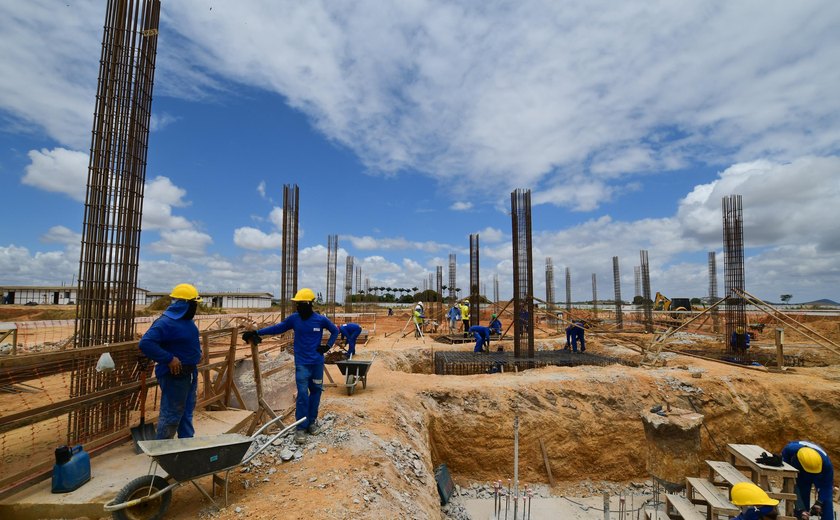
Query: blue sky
[[407, 125]]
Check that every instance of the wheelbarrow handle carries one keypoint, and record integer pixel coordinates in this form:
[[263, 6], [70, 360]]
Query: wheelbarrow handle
[[266, 425], [272, 439]]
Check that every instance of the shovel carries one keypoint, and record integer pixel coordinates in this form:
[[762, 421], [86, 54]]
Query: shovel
[[144, 432]]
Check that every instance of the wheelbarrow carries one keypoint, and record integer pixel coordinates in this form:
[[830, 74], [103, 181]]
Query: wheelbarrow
[[186, 460], [355, 371]]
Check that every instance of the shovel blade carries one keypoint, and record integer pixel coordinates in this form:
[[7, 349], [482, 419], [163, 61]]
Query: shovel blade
[[144, 432]]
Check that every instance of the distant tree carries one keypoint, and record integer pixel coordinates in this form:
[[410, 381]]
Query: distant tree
[[638, 300], [785, 297], [696, 301]]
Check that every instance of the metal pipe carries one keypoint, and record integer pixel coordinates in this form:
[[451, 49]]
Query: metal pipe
[[515, 464]]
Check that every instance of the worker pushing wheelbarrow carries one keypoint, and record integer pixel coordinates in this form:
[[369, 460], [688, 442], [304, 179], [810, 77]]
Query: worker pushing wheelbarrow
[[355, 371], [186, 460]]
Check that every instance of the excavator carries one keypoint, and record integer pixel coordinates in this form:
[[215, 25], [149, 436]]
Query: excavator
[[663, 303]]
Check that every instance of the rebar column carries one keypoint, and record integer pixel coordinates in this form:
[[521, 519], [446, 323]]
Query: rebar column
[[733, 264], [439, 294], [332, 261], [637, 281], [110, 246], [358, 279], [568, 290], [289, 259], [713, 294], [496, 293], [594, 296], [619, 318], [475, 293], [523, 268], [348, 285], [549, 290], [452, 280], [647, 303]]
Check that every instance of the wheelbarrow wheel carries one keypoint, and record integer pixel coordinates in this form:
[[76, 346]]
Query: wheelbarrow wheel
[[351, 383], [138, 488]]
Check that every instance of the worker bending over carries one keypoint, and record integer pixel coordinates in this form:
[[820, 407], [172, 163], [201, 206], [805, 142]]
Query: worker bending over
[[482, 337], [739, 342], [309, 357], [172, 342], [754, 502], [350, 332], [578, 335], [815, 469]]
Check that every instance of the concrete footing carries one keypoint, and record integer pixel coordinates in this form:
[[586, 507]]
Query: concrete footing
[[110, 471]]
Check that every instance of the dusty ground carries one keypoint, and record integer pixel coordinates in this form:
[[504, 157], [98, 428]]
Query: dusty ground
[[376, 458]]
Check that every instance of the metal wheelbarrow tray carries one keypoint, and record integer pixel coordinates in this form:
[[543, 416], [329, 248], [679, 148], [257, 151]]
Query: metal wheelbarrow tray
[[355, 371], [186, 460]]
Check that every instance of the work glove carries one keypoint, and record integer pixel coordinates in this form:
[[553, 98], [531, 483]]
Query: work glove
[[251, 336], [323, 349], [769, 460]]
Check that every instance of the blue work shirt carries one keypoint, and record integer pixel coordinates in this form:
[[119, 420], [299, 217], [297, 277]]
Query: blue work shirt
[[480, 332], [823, 481], [349, 329], [308, 334], [496, 326], [169, 337], [454, 314]]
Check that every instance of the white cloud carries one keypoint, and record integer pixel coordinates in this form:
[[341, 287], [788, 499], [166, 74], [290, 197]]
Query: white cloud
[[58, 170], [368, 243], [160, 196], [461, 206], [261, 189], [182, 242], [61, 235], [490, 235], [256, 240], [158, 122], [20, 267]]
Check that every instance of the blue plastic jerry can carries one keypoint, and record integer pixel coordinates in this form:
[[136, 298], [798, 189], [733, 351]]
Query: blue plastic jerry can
[[71, 469]]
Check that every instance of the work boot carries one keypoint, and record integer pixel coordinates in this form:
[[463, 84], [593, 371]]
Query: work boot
[[314, 429], [300, 436]]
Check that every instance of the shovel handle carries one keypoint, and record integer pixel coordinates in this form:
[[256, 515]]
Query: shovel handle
[[143, 392]]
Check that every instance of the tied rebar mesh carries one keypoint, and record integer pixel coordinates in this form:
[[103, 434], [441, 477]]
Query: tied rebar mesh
[[549, 291], [619, 318], [568, 290], [462, 363], [110, 247], [289, 262], [733, 265], [348, 285], [647, 302], [332, 262], [523, 268], [713, 294], [594, 296], [475, 294], [452, 280], [439, 294]]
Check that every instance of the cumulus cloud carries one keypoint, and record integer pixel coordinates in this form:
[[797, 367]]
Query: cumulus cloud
[[19, 266], [461, 206], [61, 235], [367, 243], [161, 195], [256, 240], [490, 235], [58, 170], [182, 242], [158, 122]]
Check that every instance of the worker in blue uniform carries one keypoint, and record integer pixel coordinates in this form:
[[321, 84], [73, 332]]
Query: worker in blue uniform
[[454, 316], [739, 341], [570, 330], [815, 469], [309, 329], [754, 502], [482, 337], [350, 332], [172, 343], [495, 325], [578, 331]]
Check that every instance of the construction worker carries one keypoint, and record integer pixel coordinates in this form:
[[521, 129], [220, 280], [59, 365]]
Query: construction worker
[[815, 469], [172, 343], [350, 332], [739, 342], [754, 502], [454, 316], [309, 357], [495, 325], [419, 316], [578, 335], [465, 317], [570, 330], [482, 337]]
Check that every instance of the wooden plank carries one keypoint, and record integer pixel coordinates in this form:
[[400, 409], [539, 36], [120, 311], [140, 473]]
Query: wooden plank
[[714, 497], [726, 471], [683, 507], [547, 465]]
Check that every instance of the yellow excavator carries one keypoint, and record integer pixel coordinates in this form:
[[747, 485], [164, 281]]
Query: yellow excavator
[[663, 303]]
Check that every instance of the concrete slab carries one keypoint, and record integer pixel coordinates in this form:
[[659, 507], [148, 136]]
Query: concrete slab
[[110, 471]]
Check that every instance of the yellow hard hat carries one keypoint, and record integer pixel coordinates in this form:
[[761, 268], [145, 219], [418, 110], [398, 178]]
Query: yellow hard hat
[[810, 460], [304, 295], [749, 494], [739, 330], [185, 291]]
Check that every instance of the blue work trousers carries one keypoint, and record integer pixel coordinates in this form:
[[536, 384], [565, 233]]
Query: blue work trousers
[[351, 343], [310, 383], [479, 343], [177, 402], [576, 335]]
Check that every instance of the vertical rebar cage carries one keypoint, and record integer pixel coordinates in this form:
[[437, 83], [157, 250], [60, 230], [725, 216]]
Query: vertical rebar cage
[[348, 285], [452, 278], [637, 280], [110, 246], [475, 293], [332, 261], [549, 290], [496, 294], [568, 290], [523, 280], [594, 296], [647, 302], [289, 261], [713, 294], [439, 294], [733, 264], [619, 318]]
